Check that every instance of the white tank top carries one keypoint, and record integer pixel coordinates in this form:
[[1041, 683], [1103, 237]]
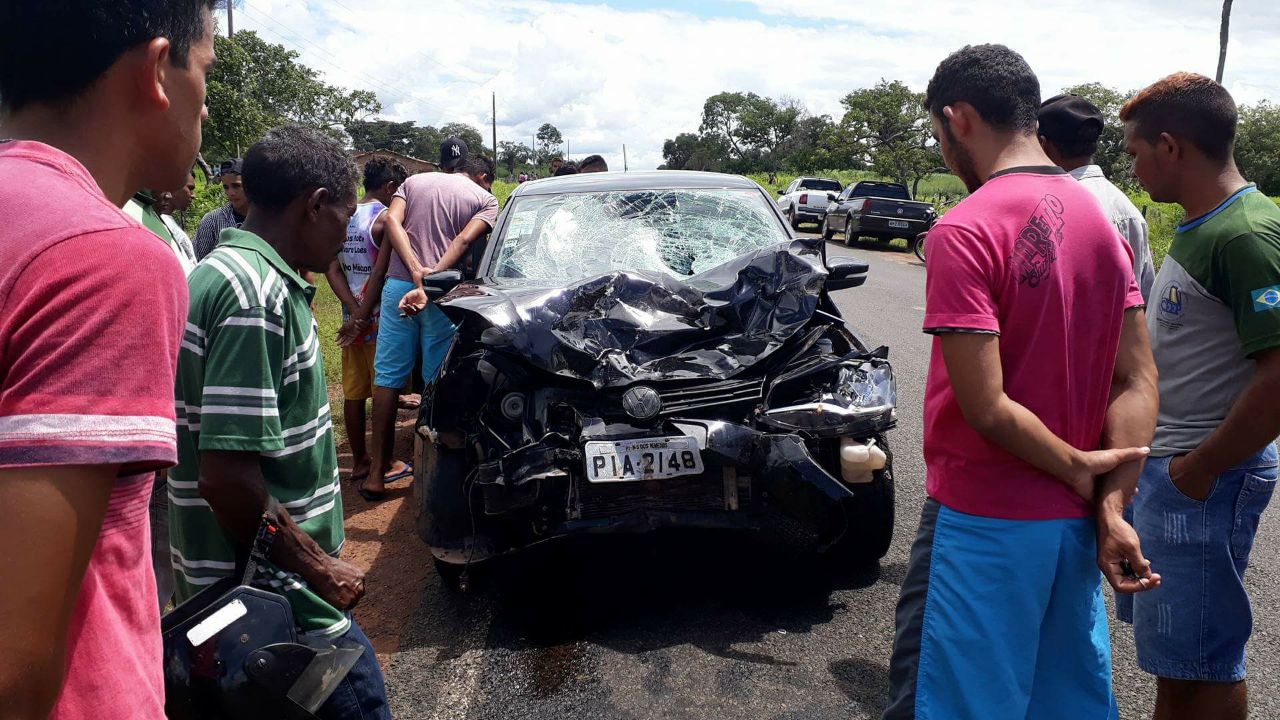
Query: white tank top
[[360, 252]]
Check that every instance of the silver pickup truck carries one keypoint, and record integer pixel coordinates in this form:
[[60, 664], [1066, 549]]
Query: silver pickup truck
[[805, 200]]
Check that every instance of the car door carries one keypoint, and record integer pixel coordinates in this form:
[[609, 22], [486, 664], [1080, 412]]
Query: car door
[[839, 209]]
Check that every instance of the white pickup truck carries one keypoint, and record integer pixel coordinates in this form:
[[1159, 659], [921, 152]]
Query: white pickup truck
[[805, 199]]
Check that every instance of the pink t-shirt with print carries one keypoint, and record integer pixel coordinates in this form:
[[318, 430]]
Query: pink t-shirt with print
[[94, 309], [1030, 257]]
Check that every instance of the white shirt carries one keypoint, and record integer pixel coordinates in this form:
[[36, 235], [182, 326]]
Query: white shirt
[[185, 251], [1128, 220]]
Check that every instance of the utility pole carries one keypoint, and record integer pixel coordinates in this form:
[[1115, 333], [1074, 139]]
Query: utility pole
[[624, 157], [567, 151], [231, 19], [495, 128]]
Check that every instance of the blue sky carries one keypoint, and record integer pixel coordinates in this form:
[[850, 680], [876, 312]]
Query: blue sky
[[637, 71]]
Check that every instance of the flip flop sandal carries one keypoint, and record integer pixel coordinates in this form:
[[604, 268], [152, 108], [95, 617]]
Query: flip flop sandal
[[407, 472], [372, 496]]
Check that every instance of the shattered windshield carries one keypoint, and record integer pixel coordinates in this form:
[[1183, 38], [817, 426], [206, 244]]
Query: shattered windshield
[[563, 238]]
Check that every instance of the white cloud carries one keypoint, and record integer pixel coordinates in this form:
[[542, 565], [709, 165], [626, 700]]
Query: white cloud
[[606, 76]]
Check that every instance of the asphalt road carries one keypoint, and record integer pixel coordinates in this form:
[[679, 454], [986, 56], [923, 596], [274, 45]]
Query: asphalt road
[[709, 626]]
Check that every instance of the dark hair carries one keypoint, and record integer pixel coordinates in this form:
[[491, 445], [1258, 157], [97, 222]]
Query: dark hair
[[1189, 106], [292, 160], [568, 168], [995, 80], [592, 160], [379, 172], [1084, 144], [479, 165], [53, 50]]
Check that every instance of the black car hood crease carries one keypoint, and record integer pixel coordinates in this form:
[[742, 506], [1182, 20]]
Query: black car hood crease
[[628, 326]]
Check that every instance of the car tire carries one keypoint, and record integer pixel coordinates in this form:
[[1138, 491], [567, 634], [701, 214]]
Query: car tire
[[442, 512], [791, 218], [870, 521], [827, 233], [849, 236]]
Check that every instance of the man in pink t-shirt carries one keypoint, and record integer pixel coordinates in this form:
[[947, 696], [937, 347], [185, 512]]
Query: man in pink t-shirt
[[1040, 399], [94, 306]]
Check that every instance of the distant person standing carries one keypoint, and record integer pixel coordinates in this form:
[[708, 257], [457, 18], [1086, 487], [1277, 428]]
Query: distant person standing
[[568, 168], [1070, 127], [171, 203], [442, 214], [593, 164], [1215, 328], [97, 100], [556, 163], [356, 277], [227, 216]]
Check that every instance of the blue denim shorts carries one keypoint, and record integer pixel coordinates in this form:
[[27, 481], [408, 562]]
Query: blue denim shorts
[[402, 339], [1196, 624]]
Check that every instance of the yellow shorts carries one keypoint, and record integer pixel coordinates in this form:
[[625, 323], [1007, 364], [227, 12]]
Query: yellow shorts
[[357, 371]]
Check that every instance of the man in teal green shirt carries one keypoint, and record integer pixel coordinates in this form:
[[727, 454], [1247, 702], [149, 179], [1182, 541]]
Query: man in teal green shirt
[[255, 433], [1214, 322]]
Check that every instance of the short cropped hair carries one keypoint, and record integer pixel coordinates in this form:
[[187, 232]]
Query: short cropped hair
[[379, 171], [593, 160], [51, 51], [1188, 106], [995, 80], [479, 165], [293, 160]]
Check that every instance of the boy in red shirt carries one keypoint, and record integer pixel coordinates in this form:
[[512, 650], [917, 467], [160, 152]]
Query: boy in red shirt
[[1040, 363], [94, 306]]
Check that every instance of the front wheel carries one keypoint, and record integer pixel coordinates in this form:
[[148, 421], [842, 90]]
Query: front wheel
[[439, 476], [849, 236], [869, 531], [827, 232], [917, 246]]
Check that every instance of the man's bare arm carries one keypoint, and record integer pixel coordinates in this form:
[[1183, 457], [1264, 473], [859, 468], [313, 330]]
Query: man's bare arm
[[399, 238], [474, 230], [338, 283], [46, 542], [233, 485], [1254, 421], [1130, 421], [977, 378]]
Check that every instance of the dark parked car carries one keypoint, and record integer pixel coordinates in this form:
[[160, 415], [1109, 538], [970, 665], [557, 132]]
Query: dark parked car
[[650, 350], [880, 210]]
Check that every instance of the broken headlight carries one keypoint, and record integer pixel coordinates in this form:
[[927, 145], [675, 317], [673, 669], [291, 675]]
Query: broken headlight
[[834, 397]]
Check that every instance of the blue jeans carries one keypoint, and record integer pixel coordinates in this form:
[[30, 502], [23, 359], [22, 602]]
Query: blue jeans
[[1196, 624], [362, 694]]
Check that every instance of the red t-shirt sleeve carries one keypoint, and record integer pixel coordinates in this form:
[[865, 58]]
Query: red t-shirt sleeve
[[960, 286], [88, 351]]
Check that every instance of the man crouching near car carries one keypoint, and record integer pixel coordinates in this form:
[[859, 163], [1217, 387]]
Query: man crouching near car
[[1040, 398], [255, 435]]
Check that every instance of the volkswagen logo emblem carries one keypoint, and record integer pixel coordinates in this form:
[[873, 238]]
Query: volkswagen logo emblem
[[642, 402]]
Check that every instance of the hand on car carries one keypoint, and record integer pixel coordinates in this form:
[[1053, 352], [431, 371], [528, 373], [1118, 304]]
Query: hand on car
[[1088, 466], [1120, 556], [1190, 480], [341, 585]]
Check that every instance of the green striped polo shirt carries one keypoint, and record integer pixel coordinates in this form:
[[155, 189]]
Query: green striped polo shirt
[[251, 379]]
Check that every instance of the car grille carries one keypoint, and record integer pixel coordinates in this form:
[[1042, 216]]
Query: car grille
[[728, 392], [604, 500]]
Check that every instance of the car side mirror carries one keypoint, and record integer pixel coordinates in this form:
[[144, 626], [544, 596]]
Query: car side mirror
[[831, 196], [844, 273], [439, 284]]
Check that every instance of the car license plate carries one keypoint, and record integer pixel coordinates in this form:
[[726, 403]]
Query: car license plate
[[899, 224], [643, 459]]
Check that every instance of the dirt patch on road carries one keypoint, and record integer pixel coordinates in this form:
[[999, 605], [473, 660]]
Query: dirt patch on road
[[381, 541]]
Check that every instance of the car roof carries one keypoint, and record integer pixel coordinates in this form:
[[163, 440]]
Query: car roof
[[648, 180]]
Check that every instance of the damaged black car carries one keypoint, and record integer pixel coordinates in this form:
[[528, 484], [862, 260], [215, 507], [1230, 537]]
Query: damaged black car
[[652, 350]]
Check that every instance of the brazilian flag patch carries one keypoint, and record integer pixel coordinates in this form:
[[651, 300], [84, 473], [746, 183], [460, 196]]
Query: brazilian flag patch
[[1266, 299]]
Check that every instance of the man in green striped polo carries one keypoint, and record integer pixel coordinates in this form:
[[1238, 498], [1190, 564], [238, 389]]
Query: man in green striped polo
[[255, 435]]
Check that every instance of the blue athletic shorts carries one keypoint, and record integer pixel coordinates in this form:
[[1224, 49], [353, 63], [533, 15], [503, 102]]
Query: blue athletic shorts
[[1001, 620], [402, 339], [1196, 624]]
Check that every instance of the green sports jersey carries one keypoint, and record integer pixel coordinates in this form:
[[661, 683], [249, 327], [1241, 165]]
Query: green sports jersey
[[251, 379], [1216, 305]]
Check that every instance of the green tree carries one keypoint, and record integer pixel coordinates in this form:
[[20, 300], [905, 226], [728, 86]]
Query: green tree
[[402, 137], [511, 154], [691, 151], [468, 134], [1111, 156], [257, 85], [1258, 145], [549, 142], [887, 127]]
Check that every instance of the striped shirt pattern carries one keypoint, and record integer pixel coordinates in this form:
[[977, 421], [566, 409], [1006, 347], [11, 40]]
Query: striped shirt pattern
[[251, 379]]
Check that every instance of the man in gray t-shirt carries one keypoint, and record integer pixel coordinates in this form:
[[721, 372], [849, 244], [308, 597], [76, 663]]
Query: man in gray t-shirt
[[443, 214]]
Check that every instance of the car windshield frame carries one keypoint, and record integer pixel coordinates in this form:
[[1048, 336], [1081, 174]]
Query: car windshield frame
[[754, 224]]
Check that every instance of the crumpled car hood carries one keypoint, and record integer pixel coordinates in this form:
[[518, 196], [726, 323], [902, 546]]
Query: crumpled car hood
[[623, 327]]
